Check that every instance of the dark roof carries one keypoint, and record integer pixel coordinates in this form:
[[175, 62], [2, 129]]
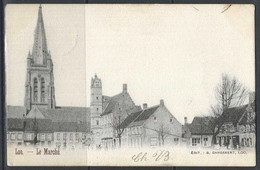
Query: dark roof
[[147, 113], [253, 105], [248, 119], [14, 124], [138, 118], [39, 125], [201, 125], [130, 119], [16, 112], [71, 127], [58, 119], [111, 103], [67, 114], [233, 115]]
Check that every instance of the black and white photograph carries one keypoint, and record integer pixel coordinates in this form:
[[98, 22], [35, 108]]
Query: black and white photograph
[[130, 85]]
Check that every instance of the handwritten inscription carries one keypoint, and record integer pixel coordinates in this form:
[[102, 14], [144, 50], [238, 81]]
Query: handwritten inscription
[[161, 155]]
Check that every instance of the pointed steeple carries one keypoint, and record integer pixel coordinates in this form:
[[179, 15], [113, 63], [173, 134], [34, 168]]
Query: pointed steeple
[[39, 86], [40, 50]]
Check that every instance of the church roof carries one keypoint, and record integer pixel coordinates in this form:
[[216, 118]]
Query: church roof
[[71, 127], [65, 119], [14, 124], [67, 114], [15, 112]]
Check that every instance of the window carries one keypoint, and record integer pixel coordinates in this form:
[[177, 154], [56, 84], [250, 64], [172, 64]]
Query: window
[[42, 136], [12, 136], [71, 136], [97, 98], [42, 90], [205, 140], [35, 89], [64, 136], [77, 136], [170, 119], [97, 122], [140, 130], [154, 118], [58, 136], [97, 109], [48, 137], [29, 136], [176, 140], [20, 136], [7, 136], [195, 141], [133, 132], [153, 142]]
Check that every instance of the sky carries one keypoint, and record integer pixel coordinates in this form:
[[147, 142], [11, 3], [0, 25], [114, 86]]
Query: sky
[[172, 52]]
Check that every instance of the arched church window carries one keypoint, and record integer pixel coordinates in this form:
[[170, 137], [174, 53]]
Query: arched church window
[[35, 90], [42, 90]]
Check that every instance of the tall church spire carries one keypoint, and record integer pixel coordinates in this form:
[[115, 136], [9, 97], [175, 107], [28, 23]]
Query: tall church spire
[[40, 50], [39, 86]]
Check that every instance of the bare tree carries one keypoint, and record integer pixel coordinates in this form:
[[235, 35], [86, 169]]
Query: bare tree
[[229, 93], [163, 133], [118, 129]]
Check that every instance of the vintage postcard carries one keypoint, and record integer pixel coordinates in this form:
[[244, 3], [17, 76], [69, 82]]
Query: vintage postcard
[[130, 85]]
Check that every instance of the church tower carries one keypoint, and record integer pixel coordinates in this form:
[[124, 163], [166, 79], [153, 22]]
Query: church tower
[[96, 104], [39, 85]]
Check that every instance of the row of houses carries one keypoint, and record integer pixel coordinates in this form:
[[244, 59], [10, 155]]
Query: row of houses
[[234, 129], [43, 127], [149, 127], [111, 121]]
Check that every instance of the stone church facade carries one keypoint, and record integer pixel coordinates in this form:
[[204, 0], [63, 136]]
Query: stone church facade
[[39, 86]]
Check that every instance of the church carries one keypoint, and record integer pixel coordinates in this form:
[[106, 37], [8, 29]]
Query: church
[[107, 123], [40, 121]]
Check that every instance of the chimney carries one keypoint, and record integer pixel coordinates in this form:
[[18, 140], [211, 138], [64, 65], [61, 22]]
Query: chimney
[[145, 106], [125, 88], [251, 97], [161, 102], [185, 120]]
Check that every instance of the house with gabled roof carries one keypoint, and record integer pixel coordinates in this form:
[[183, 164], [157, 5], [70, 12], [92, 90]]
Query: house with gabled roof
[[238, 126], [151, 127], [199, 132]]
